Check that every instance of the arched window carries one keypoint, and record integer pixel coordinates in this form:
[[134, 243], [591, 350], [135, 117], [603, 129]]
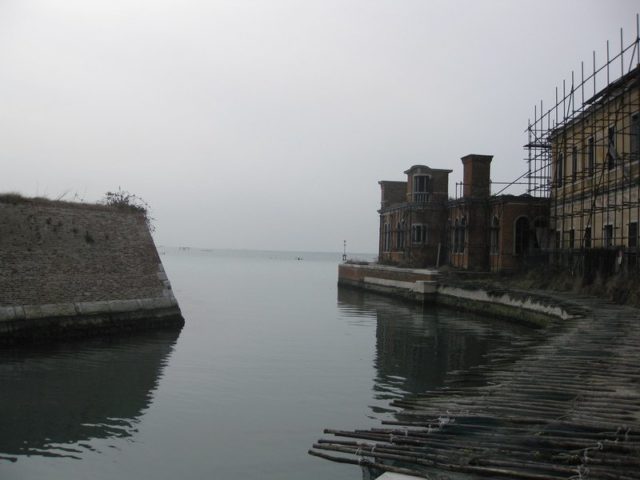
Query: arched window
[[386, 237], [521, 237], [418, 233], [495, 235], [463, 234], [400, 236]]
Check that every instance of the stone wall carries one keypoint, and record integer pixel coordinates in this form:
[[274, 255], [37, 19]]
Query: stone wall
[[357, 273], [61, 259]]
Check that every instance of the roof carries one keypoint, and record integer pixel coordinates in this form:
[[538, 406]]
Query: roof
[[608, 94], [396, 182], [427, 169]]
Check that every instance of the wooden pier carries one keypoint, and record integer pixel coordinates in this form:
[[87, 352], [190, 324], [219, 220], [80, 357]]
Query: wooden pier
[[569, 408]]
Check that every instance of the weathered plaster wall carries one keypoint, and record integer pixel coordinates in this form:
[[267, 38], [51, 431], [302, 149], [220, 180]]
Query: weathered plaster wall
[[68, 260]]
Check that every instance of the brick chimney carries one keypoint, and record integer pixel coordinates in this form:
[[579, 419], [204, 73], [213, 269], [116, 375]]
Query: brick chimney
[[477, 179]]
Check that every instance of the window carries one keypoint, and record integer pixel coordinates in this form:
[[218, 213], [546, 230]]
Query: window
[[572, 238], [386, 238], [463, 234], [574, 163], [591, 155], [495, 236], [400, 236], [421, 188], [608, 236], [418, 234], [635, 137], [587, 237], [521, 245], [633, 235], [459, 235], [456, 229], [539, 233], [611, 147], [559, 169]]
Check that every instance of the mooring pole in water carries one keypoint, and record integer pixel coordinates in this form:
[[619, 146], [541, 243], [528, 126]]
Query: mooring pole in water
[[344, 253]]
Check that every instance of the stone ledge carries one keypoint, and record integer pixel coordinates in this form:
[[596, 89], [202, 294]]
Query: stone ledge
[[43, 329], [522, 306], [52, 310]]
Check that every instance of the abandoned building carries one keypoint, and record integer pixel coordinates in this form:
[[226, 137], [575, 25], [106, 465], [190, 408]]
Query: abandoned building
[[421, 227], [494, 232], [413, 217], [581, 208]]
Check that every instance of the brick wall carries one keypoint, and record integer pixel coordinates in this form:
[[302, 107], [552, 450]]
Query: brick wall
[[508, 210], [392, 192], [59, 252], [477, 181]]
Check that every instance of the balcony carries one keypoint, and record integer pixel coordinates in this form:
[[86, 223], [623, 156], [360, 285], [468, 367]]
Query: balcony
[[421, 197]]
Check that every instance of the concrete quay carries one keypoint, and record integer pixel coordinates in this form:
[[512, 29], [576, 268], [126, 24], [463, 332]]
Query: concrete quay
[[430, 287]]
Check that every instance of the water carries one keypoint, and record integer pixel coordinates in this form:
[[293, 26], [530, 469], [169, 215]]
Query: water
[[271, 354]]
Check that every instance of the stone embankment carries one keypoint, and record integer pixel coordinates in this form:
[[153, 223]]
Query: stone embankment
[[429, 286], [569, 408], [70, 269]]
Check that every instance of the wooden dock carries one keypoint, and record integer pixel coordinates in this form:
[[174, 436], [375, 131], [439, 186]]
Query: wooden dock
[[569, 408]]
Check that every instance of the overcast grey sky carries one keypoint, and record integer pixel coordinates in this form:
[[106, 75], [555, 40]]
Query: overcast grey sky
[[267, 124]]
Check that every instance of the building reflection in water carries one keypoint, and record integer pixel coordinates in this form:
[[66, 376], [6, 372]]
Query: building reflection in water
[[418, 348], [55, 399]]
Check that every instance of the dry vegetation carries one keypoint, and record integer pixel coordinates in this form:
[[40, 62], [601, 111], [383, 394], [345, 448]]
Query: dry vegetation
[[622, 288]]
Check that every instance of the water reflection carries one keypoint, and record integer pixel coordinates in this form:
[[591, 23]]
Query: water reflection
[[56, 399], [418, 348]]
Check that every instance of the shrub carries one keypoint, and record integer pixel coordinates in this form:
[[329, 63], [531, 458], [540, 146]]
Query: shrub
[[124, 200]]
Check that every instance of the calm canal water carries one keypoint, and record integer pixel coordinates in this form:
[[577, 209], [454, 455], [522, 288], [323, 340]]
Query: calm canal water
[[271, 354]]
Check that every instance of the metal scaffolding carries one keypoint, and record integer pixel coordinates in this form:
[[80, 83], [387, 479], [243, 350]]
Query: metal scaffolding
[[583, 153]]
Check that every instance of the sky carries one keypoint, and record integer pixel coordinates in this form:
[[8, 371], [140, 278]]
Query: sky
[[268, 124]]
